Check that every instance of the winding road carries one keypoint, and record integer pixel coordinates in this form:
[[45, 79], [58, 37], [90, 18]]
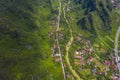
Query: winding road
[[116, 48], [69, 44]]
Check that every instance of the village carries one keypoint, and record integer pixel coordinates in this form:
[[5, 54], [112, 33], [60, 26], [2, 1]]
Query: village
[[85, 57]]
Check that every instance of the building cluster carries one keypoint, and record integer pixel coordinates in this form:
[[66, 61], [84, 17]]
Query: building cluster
[[116, 3], [55, 53], [86, 58], [86, 50]]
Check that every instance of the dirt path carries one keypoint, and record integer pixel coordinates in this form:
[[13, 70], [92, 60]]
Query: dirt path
[[69, 44]]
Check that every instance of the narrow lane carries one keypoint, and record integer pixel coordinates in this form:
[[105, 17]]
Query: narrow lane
[[116, 49], [57, 35], [69, 44]]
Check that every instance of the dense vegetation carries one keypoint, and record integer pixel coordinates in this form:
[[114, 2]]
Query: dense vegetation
[[95, 8], [24, 43]]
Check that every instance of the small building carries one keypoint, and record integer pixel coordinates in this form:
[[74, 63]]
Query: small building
[[115, 67], [76, 52], [80, 35], [91, 50], [80, 53], [78, 57], [79, 39], [56, 55], [91, 59], [57, 59]]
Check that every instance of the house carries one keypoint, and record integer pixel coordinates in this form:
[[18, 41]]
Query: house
[[91, 59], [113, 1], [113, 62], [88, 42], [80, 35], [68, 75], [65, 65], [61, 36], [79, 39], [56, 55], [76, 52], [50, 34], [80, 53], [115, 67], [82, 61], [100, 73], [91, 50], [107, 62], [57, 59], [83, 51], [52, 49], [78, 57], [116, 77], [94, 70], [54, 46]]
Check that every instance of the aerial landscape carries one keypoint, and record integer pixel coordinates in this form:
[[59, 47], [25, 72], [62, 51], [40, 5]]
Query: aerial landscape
[[59, 39]]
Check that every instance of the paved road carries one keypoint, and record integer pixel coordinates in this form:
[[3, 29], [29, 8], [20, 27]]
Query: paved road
[[75, 74], [58, 25], [116, 49]]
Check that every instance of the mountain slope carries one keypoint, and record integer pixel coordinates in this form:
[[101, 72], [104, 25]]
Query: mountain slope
[[24, 43], [93, 8]]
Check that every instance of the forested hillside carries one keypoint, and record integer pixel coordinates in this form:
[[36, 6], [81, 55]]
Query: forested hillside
[[95, 11], [24, 44]]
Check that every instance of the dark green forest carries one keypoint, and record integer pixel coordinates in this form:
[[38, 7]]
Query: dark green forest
[[24, 44]]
